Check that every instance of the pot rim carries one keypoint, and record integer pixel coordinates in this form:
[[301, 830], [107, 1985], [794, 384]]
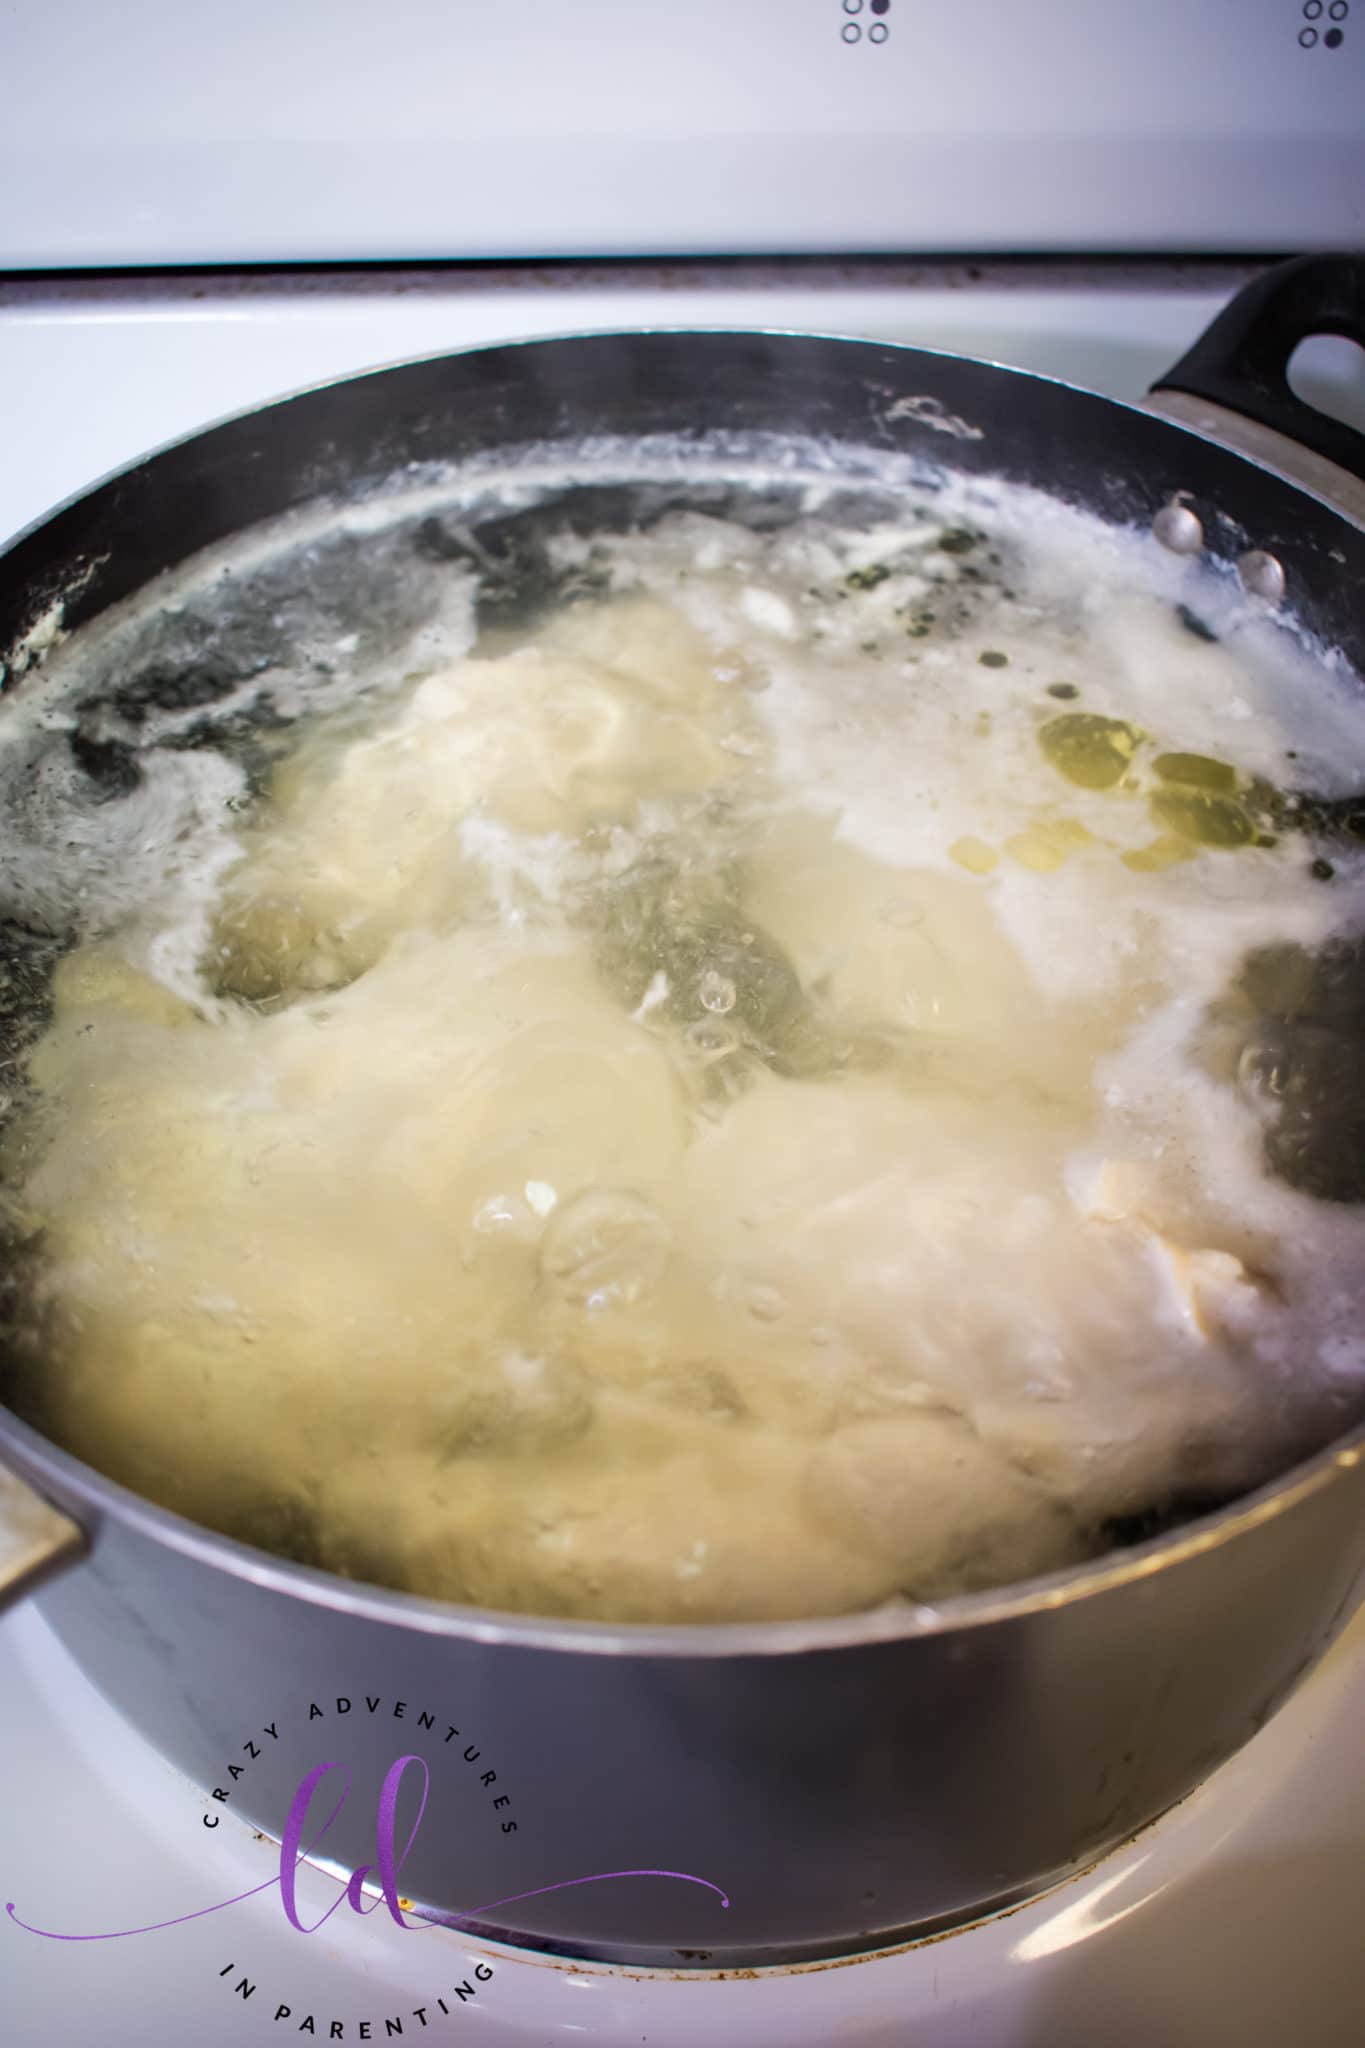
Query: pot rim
[[74, 1482], [532, 343], [1142, 410]]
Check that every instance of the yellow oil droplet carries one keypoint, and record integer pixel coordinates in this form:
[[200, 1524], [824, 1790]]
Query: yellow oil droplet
[[1046, 846], [1197, 771], [1033, 850], [1089, 750], [1166, 852], [974, 855], [1204, 816]]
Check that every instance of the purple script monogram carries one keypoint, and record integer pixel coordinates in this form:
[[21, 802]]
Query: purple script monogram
[[387, 1863]]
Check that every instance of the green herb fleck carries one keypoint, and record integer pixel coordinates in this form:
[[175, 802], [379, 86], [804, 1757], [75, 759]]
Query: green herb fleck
[[869, 578]]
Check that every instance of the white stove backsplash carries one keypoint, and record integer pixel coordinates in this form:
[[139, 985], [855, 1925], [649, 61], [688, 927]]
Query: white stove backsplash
[[149, 133]]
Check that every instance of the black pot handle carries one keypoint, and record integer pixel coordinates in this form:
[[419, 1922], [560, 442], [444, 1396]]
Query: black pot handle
[[1240, 361]]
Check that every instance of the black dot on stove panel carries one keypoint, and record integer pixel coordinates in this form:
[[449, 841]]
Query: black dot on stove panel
[[1307, 38], [1333, 39], [884, 6]]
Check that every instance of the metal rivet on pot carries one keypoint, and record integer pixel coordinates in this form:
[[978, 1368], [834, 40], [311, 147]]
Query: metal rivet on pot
[[1262, 574], [1178, 529]]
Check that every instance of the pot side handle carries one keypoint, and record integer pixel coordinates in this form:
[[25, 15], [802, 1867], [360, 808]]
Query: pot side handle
[[36, 1539], [1239, 363]]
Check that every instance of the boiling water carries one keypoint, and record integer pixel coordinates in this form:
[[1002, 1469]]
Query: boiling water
[[696, 1047]]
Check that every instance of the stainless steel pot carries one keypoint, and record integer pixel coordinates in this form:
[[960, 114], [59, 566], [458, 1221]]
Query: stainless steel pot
[[845, 1782]]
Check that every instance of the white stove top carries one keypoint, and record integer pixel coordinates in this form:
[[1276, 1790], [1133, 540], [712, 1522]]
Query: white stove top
[[1232, 1921]]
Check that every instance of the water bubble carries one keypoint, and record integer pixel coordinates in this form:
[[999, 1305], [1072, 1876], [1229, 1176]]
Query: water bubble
[[604, 1248], [321, 971], [499, 1212], [765, 1304], [902, 912], [710, 1041], [717, 992]]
